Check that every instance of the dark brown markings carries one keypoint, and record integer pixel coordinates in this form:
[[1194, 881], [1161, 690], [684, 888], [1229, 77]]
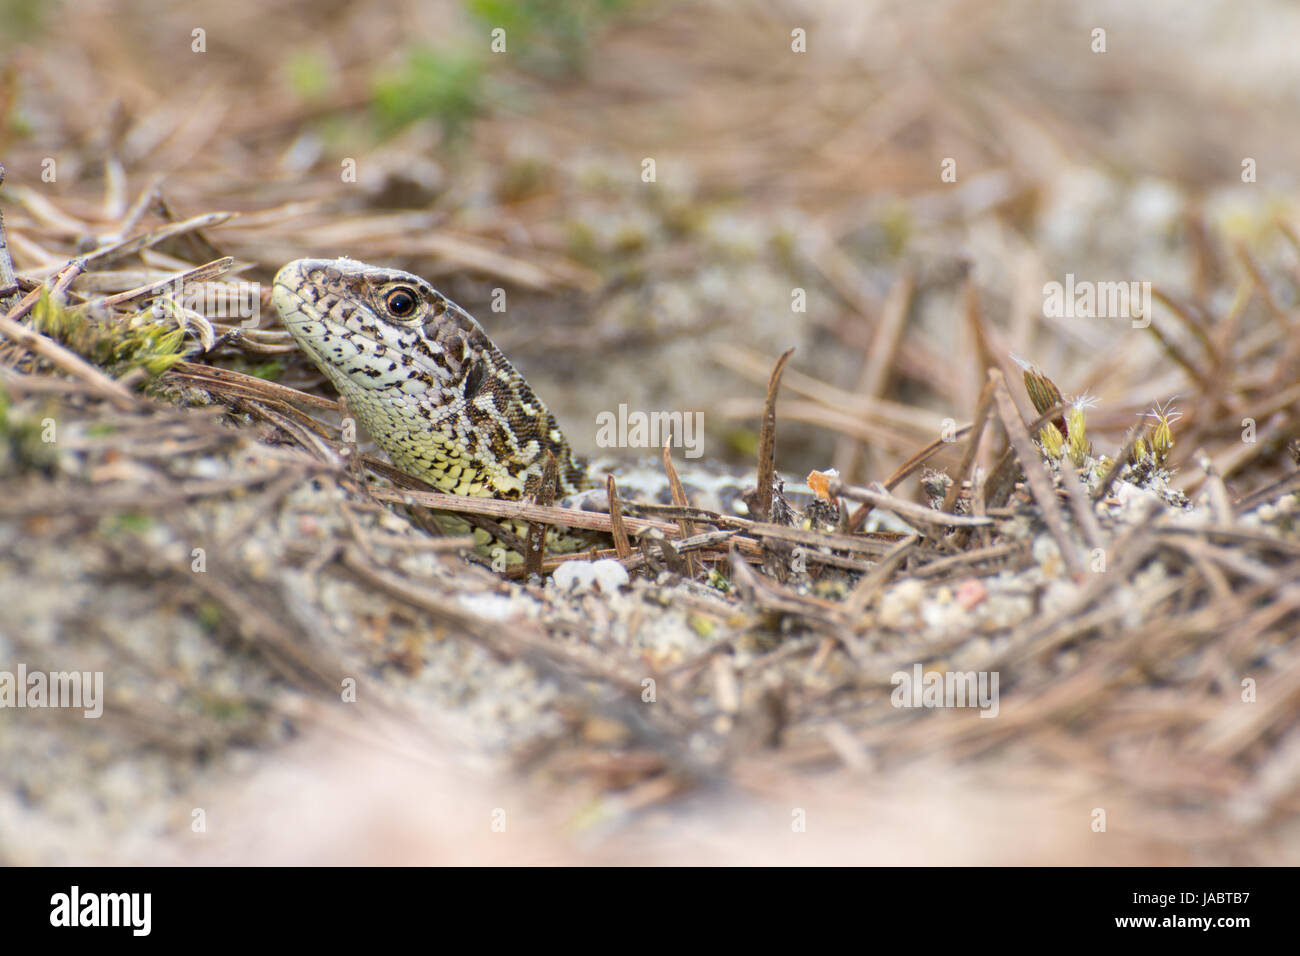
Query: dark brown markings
[[474, 380]]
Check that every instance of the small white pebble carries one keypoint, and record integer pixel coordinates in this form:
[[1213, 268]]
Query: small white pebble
[[494, 607], [574, 574], [899, 603], [606, 575], [610, 575]]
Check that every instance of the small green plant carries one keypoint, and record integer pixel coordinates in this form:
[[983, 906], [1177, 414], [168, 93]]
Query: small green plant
[[271, 371], [20, 19], [549, 36], [1068, 435], [125, 523], [308, 74], [433, 84], [1161, 438], [21, 442], [1046, 396]]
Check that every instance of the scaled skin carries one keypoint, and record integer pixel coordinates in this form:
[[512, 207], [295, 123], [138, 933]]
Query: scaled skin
[[423, 377]]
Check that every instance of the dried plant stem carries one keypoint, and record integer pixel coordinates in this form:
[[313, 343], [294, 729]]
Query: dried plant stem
[[767, 440], [1036, 475]]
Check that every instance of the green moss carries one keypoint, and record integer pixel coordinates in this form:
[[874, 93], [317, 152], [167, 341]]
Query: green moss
[[117, 345]]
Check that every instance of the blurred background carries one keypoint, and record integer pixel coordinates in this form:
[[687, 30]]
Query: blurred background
[[798, 199], [775, 171]]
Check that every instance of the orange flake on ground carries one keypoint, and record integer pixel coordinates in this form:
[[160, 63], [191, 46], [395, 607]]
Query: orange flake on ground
[[971, 592], [820, 482]]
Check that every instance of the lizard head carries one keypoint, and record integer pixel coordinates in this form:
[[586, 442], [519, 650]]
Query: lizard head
[[422, 376], [349, 317]]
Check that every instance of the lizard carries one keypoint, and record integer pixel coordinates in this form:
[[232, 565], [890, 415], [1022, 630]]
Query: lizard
[[424, 379], [431, 388], [434, 392]]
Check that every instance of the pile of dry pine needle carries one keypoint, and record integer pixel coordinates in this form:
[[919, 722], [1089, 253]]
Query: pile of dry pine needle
[[1179, 655]]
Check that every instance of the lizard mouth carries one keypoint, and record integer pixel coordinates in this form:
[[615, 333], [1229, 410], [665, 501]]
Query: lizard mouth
[[311, 326], [299, 316], [288, 299]]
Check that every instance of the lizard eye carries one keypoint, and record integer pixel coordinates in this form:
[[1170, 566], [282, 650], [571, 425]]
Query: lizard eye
[[401, 302]]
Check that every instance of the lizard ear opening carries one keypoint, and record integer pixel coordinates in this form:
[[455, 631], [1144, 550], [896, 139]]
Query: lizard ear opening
[[473, 380]]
